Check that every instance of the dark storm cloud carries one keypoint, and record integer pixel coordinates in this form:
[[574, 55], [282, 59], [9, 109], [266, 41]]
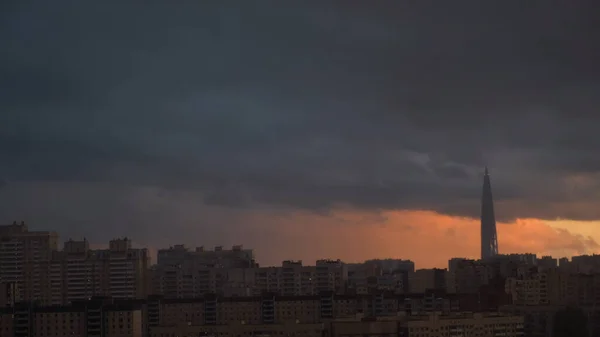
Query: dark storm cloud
[[387, 105]]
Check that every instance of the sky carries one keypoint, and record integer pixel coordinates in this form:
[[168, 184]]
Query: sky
[[305, 130]]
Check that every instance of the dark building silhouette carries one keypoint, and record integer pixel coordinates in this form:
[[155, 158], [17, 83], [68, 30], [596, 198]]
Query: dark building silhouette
[[570, 322], [489, 237]]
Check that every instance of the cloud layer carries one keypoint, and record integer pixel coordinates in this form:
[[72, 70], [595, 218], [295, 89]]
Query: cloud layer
[[315, 106]]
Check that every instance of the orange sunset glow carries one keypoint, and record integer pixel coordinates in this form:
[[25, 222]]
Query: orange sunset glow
[[427, 238]]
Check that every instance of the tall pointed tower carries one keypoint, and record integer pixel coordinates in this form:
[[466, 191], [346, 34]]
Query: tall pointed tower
[[489, 237]]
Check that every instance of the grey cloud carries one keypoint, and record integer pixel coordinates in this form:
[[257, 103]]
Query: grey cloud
[[312, 105]]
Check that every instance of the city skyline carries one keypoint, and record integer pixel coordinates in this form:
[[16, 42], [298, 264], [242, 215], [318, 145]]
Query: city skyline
[[153, 253], [333, 129], [488, 241], [116, 291]]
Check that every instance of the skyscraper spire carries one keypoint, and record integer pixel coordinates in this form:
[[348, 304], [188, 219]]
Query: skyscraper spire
[[489, 237]]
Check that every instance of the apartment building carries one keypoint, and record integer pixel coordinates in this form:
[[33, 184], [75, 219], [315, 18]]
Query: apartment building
[[428, 279], [273, 308], [389, 281], [211, 314], [266, 309], [296, 279], [525, 259], [392, 265], [311, 316], [6, 322], [331, 275], [182, 273], [539, 319], [236, 257], [547, 262], [24, 256], [554, 286], [9, 294], [242, 329], [240, 282], [586, 264], [532, 290], [539, 293], [464, 324], [468, 276], [431, 325], [359, 274], [97, 317], [377, 275], [79, 273], [182, 276], [187, 280], [291, 279]]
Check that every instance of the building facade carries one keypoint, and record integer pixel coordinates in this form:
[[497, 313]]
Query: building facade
[[97, 317], [24, 257], [79, 273]]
